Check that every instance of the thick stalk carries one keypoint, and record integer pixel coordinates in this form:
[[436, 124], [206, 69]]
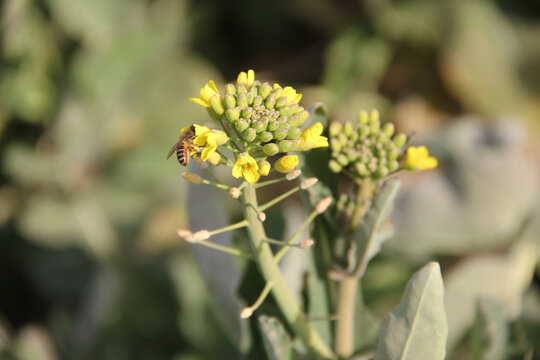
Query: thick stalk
[[271, 272], [344, 330]]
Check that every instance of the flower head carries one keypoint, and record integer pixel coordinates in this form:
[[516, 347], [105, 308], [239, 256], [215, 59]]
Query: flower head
[[286, 163], [418, 158], [311, 137], [208, 140], [246, 79], [246, 167], [210, 98]]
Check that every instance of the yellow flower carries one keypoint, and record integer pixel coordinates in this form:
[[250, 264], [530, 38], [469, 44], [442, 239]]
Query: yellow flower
[[214, 159], [264, 167], [246, 167], [418, 159], [286, 163], [209, 139], [290, 93], [311, 137], [210, 98], [246, 79]]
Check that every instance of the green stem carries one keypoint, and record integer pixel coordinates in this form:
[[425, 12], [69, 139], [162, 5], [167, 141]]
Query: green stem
[[279, 198], [344, 330], [271, 272]]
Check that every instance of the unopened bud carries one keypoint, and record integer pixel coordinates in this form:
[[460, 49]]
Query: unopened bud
[[230, 89], [214, 159], [270, 149], [264, 167], [282, 101], [323, 204], [192, 178], [234, 192], [242, 100], [334, 166], [400, 140], [293, 174], [304, 244], [216, 105], [343, 160], [246, 312], [363, 117], [270, 102], [294, 120], [294, 132], [265, 136], [241, 88], [281, 133], [201, 235], [265, 90], [285, 145], [392, 165], [183, 233], [278, 92], [241, 124], [348, 129], [249, 134], [272, 125], [232, 115], [302, 117], [229, 101], [261, 216], [388, 129], [246, 113], [306, 184], [374, 126], [250, 97], [258, 126], [335, 128]]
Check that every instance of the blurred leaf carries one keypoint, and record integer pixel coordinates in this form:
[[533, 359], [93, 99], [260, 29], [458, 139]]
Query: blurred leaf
[[417, 328], [478, 198], [484, 83], [502, 278], [355, 61], [421, 22], [372, 231], [219, 271], [490, 332], [277, 343], [8, 202]]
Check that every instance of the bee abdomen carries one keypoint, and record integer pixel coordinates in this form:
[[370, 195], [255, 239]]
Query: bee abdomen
[[183, 155]]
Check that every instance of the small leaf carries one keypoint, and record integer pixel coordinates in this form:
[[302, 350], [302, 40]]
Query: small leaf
[[277, 343], [417, 328], [318, 112], [374, 231]]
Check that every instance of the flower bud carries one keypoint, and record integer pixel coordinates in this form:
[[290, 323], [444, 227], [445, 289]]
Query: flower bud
[[242, 100], [270, 149], [304, 244], [294, 133], [232, 115], [335, 145], [272, 125], [293, 174], [192, 178], [343, 160], [400, 140], [230, 89], [201, 235], [374, 116], [229, 101], [374, 126], [284, 111], [249, 134], [241, 124], [381, 172], [246, 313], [234, 192], [392, 165], [285, 145], [253, 91], [184, 233], [246, 112], [281, 133], [265, 136], [306, 184], [335, 128], [282, 101], [265, 90], [348, 129], [296, 144], [363, 130], [283, 119], [216, 105], [343, 139], [388, 129], [323, 204], [264, 167], [393, 153], [334, 166], [250, 98], [270, 102], [302, 117], [278, 92], [294, 120], [286, 163], [214, 159], [261, 216], [258, 100], [361, 169], [241, 88], [363, 117], [259, 126]]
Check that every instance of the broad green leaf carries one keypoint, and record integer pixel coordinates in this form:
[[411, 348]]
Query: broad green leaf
[[417, 328], [373, 231], [318, 112], [277, 343], [490, 332]]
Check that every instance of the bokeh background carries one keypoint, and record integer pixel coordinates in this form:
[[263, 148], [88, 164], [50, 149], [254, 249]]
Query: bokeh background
[[94, 93]]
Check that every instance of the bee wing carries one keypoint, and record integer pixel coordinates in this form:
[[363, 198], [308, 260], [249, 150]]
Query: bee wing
[[173, 149]]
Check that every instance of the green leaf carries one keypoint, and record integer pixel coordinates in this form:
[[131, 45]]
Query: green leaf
[[490, 333], [318, 112], [374, 230], [417, 328], [277, 343]]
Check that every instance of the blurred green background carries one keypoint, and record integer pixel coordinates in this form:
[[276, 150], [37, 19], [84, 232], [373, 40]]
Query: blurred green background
[[94, 93]]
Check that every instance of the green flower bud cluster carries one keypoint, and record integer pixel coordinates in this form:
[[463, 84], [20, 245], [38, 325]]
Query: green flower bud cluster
[[365, 148], [265, 116]]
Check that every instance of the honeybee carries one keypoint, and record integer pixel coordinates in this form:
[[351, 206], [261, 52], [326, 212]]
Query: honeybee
[[184, 145]]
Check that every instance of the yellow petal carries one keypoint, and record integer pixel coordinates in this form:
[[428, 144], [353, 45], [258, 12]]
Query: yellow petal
[[251, 174], [199, 101], [250, 77]]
